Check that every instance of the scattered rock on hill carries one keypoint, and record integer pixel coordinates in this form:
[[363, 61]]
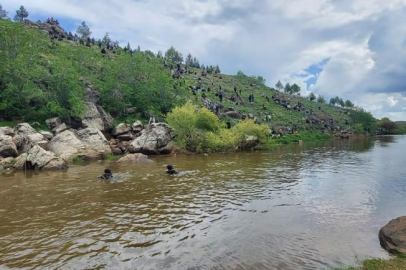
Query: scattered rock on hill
[[393, 236]]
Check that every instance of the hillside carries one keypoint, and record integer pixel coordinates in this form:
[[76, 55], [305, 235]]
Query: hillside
[[44, 74]]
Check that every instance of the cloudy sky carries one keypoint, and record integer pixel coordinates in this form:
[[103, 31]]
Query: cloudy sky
[[355, 49]]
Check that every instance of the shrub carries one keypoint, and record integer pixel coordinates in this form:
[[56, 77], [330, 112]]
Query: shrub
[[223, 140], [248, 127]]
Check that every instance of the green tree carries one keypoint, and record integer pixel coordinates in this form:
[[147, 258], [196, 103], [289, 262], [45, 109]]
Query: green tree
[[106, 39], [241, 74], [386, 125], [349, 104], [189, 60], [341, 102], [360, 116], [21, 14], [3, 13], [279, 86], [332, 101], [84, 30], [312, 97], [321, 99], [173, 56], [260, 79], [288, 88], [217, 70], [295, 89]]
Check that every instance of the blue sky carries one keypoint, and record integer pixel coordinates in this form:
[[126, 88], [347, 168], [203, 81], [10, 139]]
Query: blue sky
[[355, 49]]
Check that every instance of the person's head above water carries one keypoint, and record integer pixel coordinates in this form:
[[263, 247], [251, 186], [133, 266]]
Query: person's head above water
[[171, 170], [107, 171], [169, 167]]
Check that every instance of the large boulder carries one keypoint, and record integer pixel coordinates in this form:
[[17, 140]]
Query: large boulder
[[233, 114], [153, 140], [137, 127], [66, 145], [94, 139], [53, 122], [135, 158], [26, 137], [7, 131], [47, 135], [60, 128], [393, 236], [7, 147], [96, 117], [121, 129], [38, 159]]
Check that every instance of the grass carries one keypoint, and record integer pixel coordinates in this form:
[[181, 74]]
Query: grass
[[397, 263], [78, 160], [111, 157]]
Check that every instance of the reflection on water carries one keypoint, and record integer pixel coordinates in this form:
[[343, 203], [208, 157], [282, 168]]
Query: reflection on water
[[313, 207]]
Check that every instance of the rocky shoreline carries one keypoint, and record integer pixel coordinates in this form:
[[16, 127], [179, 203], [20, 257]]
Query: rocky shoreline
[[92, 137]]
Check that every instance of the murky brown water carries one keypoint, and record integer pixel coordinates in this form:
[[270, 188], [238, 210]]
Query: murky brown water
[[313, 207]]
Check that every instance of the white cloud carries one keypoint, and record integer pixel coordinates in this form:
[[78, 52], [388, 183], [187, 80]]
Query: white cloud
[[278, 39]]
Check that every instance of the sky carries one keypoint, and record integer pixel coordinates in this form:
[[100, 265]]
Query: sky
[[355, 49]]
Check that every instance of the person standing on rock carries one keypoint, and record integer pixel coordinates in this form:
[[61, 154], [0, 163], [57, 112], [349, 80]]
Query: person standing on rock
[[151, 120]]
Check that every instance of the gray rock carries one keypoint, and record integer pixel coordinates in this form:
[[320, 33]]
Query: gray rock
[[26, 137], [66, 145], [47, 135], [7, 131], [53, 122], [59, 129], [7, 147], [21, 162], [393, 236], [96, 117], [137, 127], [38, 159], [121, 129], [153, 139], [126, 137], [94, 139], [137, 158], [233, 114]]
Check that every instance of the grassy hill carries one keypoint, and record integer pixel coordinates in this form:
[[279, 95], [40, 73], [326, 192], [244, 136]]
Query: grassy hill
[[42, 78]]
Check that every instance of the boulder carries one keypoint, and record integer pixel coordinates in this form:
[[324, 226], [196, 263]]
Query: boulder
[[60, 128], [393, 236], [94, 139], [249, 142], [7, 147], [21, 162], [126, 137], [131, 110], [137, 127], [26, 137], [38, 159], [7, 131], [96, 117], [137, 158], [66, 145], [47, 135], [153, 139], [233, 114], [121, 129], [53, 122], [24, 129]]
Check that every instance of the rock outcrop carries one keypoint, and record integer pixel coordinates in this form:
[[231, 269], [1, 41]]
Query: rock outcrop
[[66, 145], [39, 159], [137, 127], [7, 147], [26, 137], [7, 131], [153, 140], [393, 236], [121, 129], [136, 158], [94, 139], [53, 122], [96, 117]]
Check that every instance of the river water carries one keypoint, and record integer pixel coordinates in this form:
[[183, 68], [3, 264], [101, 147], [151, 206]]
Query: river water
[[316, 206]]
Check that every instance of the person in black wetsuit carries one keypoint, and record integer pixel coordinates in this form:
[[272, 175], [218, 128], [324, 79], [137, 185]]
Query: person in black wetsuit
[[107, 175], [171, 170]]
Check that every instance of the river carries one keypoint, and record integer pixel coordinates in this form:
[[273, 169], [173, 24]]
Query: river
[[316, 206]]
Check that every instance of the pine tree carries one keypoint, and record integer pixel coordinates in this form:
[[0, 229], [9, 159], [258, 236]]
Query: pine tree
[[189, 60], [3, 13], [84, 31], [159, 54], [21, 14], [217, 69], [106, 39], [288, 88], [279, 86], [312, 97]]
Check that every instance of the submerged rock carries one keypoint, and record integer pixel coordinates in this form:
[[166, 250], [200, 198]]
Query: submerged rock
[[138, 158], [393, 236]]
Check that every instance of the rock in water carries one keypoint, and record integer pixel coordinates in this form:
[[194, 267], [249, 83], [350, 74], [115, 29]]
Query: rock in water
[[40, 159], [7, 147], [95, 139], [66, 145], [393, 236], [138, 158]]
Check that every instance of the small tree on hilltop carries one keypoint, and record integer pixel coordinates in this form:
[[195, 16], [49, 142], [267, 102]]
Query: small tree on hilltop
[[349, 104], [189, 60], [217, 69], [321, 99], [332, 101], [341, 102], [3, 13], [288, 88], [295, 89], [312, 97], [83, 30], [173, 55], [279, 86], [21, 14], [106, 39]]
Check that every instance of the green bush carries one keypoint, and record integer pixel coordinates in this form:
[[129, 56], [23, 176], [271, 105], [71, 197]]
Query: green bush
[[223, 140]]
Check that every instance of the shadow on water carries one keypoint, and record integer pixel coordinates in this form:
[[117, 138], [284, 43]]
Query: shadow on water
[[316, 206]]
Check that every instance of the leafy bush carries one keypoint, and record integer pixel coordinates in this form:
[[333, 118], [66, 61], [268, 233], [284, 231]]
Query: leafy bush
[[248, 127], [223, 140]]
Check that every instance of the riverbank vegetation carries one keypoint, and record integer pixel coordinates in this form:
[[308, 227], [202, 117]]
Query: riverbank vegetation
[[397, 263]]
